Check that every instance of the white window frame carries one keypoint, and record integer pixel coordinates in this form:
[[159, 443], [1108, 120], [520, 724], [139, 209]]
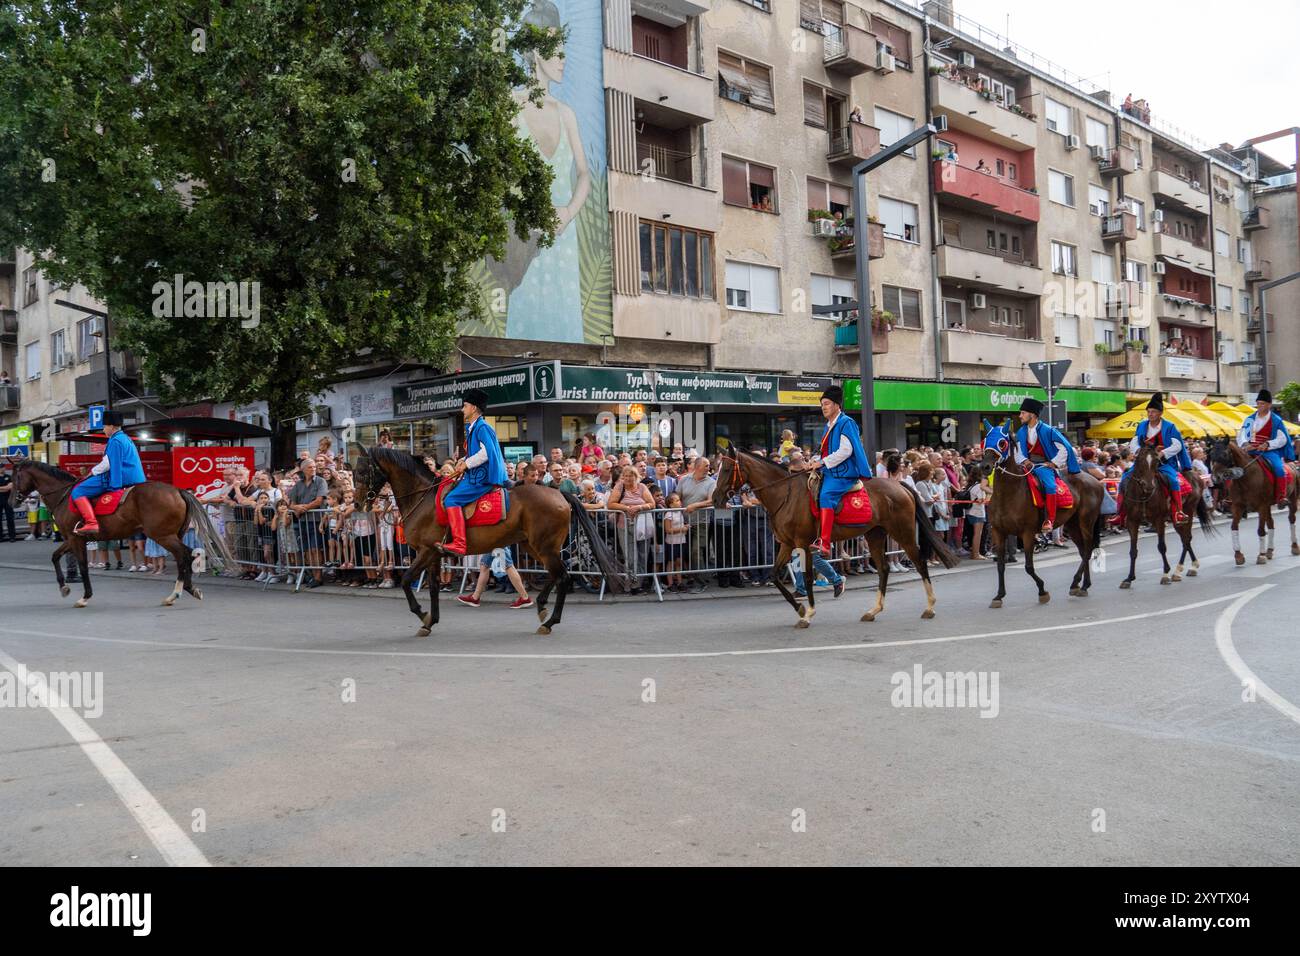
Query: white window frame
[[1062, 323], [1069, 185], [1139, 209], [881, 208], [898, 312], [1066, 248], [1245, 302], [732, 277], [1105, 332], [961, 304], [28, 355], [1091, 126], [831, 290], [1098, 205], [1223, 302], [1053, 124], [1222, 243], [59, 357], [1097, 275], [893, 131]]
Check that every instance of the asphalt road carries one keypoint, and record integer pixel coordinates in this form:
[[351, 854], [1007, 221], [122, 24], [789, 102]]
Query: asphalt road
[[277, 728]]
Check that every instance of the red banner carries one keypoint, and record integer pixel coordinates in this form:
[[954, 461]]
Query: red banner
[[200, 469], [157, 464]]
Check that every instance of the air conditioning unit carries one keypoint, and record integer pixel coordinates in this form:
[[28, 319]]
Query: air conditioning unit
[[1098, 152], [1088, 378], [968, 60], [885, 62], [320, 416], [825, 228], [940, 123], [1158, 267], [1072, 141], [978, 300], [1158, 215]]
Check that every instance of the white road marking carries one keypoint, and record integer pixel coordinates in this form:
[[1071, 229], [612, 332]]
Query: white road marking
[[856, 646], [1228, 651], [172, 842]]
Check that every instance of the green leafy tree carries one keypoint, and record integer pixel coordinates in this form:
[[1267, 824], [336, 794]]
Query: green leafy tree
[[353, 160], [1288, 397]]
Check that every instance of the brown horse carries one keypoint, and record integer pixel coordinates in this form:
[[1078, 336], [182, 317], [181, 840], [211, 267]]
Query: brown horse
[[1250, 488], [539, 516], [1145, 502], [1011, 513], [159, 510], [895, 509]]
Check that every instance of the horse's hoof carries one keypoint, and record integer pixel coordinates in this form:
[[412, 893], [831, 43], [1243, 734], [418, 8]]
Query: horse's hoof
[[1192, 573], [1269, 554], [1044, 598], [1261, 560], [424, 632], [81, 602], [802, 623], [927, 614], [1164, 579], [1077, 592], [1295, 549], [1175, 578], [868, 617], [544, 630], [1239, 558], [1125, 585], [995, 603], [426, 622], [198, 595], [64, 590], [168, 601]]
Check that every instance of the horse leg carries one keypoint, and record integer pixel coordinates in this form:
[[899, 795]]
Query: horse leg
[[778, 577], [1236, 536], [1132, 552], [1084, 546], [558, 577], [1264, 516], [57, 559], [180, 553], [807, 611], [423, 559], [78, 544], [1160, 546], [922, 567], [1000, 549], [1269, 553], [1295, 547], [878, 541], [1028, 541]]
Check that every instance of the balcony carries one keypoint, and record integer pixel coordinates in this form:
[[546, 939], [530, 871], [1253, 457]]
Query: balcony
[[1184, 368], [850, 145], [971, 112], [677, 10], [1124, 361], [842, 247], [1124, 300], [10, 398], [1180, 311], [1187, 253], [982, 348], [846, 338], [983, 192], [1120, 161], [8, 325], [1257, 218], [1253, 326], [1261, 272], [671, 89], [1180, 191], [973, 265], [674, 318], [1119, 227], [849, 50], [661, 162]]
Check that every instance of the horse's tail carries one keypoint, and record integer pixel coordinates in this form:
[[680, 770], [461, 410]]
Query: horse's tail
[[212, 541], [931, 544], [1204, 517], [615, 578]]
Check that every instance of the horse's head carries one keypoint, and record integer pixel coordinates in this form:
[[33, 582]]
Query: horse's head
[[997, 443], [24, 479], [730, 478], [1222, 462], [367, 479]]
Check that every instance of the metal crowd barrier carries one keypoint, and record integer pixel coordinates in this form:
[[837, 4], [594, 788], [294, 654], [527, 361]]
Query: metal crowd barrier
[[718, 542]]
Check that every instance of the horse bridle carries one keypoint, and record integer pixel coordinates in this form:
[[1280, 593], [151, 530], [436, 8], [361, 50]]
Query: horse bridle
[[372, 493], [735, 489]]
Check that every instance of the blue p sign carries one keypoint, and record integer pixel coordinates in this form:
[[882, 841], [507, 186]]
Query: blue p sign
[[96, 419]]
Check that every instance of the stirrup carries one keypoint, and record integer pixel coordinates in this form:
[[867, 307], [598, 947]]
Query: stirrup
[[818, 547], [85, 532], [1046, 528]]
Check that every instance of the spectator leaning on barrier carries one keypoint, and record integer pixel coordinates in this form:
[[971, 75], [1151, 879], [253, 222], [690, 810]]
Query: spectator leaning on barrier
[[696, 490], [634, 522], [309, 493]]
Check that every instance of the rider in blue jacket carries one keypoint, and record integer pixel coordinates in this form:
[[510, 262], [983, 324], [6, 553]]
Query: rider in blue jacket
[[119, 467]]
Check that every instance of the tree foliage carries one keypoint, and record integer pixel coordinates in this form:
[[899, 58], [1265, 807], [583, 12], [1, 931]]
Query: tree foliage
[[354, 160], [1288, 399]]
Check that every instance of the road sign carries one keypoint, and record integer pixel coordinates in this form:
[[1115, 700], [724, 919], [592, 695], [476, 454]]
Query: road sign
[[1054, 413], [96, 418], [1050, 375]]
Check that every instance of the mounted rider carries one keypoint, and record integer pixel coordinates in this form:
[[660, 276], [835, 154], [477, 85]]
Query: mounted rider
[[120, 467], [1264, 436], [1046, 450], [1158, 432], [481, 470], [843, 460]]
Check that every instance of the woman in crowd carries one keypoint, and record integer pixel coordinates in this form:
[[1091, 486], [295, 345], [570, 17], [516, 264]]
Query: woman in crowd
[[632, 501]]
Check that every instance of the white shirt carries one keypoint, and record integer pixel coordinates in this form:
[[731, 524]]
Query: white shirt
[[478, 458], [1255, 421], [843, 452], [1031, 437], [101, 466], [1169, 451]]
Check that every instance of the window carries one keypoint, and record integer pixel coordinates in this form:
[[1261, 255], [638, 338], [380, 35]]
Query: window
[[1011, 171], [904, 303], [33, 363], [893, 39], [1098, 200], [831, 197], [1065, 259], [31, 286], [893, 127], [1057, 116], [1243, 252], [1224, 299], [822, 108], [1060, 187], [676, 261], [954, 313], [1136, 272], [832, 290], [1139, 209], [899, 219], [1103, 268], [764, 5], [821, 16], [59, 357], [1106, 333], [1245, 303], [748, 184], [1097, 133], [1067, 331], [1001, 168], [991, 238], [1221, 244], [87, 339], [744, 81], [753, 288]]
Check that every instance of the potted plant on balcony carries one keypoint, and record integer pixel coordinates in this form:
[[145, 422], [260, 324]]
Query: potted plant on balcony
[[935, 69], [1101, 348], [882, 321], [815, 214]]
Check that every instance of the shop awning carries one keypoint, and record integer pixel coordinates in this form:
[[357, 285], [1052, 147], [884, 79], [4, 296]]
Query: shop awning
[[1191, 426]]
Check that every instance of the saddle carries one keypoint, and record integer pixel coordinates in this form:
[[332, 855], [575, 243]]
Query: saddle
[[108, 502], [489, 509], [854, 508], [1064, 496]]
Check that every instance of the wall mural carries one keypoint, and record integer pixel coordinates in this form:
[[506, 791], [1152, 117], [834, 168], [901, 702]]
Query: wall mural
[[561, 293]]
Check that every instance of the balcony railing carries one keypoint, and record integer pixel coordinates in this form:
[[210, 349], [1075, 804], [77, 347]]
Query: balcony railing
[[1119, 226], [1257, 218], [1125, 361], [1262, 271], [662, 162], [970, 80], [1164, 166], [986, 189]]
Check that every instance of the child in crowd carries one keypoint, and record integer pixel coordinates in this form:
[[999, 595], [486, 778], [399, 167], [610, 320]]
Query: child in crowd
[[485, 570], [136, 547], [286, 537], [361, 541], [263, 517], [674, 543], [329, 527], [384, 518], [156, 554]]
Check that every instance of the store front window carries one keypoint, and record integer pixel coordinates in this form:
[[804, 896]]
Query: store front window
[[746, 430], [924, 429], [807, 427]]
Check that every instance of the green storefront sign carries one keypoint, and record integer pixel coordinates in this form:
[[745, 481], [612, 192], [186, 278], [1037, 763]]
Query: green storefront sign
[[505, 386], [984, 399], [580, 383]]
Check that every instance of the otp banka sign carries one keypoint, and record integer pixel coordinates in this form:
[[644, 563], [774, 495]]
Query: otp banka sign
[[1006, 399]]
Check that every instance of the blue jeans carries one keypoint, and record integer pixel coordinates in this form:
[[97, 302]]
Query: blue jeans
[[820, 566]]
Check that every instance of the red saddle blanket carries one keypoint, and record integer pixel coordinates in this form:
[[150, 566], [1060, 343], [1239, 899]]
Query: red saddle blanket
[[855, 508], [490, 509], [107, 503], [1064, 497]]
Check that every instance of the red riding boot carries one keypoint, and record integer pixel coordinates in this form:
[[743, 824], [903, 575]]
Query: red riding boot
[[1282, 485], [823, 543], [1176, 497], [88, 524], [456, 522], [1119, 518], [1050, 502]]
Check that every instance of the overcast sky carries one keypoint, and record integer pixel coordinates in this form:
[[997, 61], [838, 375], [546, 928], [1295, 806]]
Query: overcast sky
[[1224, 71]]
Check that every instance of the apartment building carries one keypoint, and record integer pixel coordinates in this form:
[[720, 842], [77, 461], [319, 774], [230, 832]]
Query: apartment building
[[10, 393]]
